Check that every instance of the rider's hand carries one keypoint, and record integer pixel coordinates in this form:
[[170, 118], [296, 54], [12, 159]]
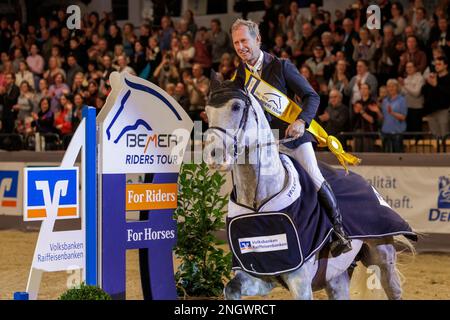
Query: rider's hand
[[296, 129]]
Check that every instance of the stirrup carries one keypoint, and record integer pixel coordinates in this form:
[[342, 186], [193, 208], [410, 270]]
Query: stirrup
[[340, 245]]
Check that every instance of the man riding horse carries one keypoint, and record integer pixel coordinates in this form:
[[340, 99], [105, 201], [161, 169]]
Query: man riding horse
[[284, 76]]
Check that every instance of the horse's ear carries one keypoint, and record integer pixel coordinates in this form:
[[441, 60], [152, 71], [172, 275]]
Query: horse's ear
[[215, 81]]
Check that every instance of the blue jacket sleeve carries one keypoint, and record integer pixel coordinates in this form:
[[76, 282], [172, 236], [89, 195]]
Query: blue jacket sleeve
[[301, 87]]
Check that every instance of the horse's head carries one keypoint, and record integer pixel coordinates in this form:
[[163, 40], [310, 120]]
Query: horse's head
[[235, 125]]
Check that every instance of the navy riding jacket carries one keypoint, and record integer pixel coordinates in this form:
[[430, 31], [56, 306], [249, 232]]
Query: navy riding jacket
[[284, 76]]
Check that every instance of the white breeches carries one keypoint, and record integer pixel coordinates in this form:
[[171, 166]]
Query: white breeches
[[305, 155]]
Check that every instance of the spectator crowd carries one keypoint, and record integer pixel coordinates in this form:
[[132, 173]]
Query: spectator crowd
[[384, 80]]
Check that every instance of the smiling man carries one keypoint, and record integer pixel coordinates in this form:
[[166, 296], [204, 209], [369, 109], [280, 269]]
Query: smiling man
[[284, 76]]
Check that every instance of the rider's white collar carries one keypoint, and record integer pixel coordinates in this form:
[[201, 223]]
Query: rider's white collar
[[256, 69], [287, 196]]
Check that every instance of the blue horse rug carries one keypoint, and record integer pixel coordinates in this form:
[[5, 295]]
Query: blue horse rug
[[290, 227]]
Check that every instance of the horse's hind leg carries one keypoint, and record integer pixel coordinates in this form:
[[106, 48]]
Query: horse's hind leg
[[338, 288], [384, 256], [299, 283], [244, 284]]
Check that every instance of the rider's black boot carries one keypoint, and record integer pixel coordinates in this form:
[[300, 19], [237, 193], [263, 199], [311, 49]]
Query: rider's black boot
[[328, 201]]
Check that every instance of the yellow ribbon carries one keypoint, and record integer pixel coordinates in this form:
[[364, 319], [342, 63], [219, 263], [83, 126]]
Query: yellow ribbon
[[290, 111]]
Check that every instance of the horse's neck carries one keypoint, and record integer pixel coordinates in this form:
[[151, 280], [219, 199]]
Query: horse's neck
[[264, 179]]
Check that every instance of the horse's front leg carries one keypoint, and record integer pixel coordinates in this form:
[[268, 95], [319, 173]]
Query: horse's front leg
[[299, 283], [243, 284]]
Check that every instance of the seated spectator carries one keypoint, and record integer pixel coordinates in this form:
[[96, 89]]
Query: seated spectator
[[397, 20], [166, 72], [421, 25], [437, 97], [9, 93], [294, 20], [107, 70], [91, 94], [43, 122], [328, 44], [181, 96], [365, 118], [339, 80], [307, 43], [170, 89], [128, 38], [226, 68], [364, 49], [138, 59], [414, 54], [191, 25], [79, 84], [42, 92], [386, 55], [165, 33], [440, 36], [123, 65], [197, 88], [73, 69], [316, 63], [153, 54], [306, 71], [93, 72], [352, 90], [185, 56], [336, 115], [118, 51], [77, 109], [56, 90], [394, 112], [292, 44], [63, 118], [17, 59], [99, 103], [25, 104], [53, 70], [220, 42], [411, 88], [279, 46], [35, 62], [202, 50], [24, 75]]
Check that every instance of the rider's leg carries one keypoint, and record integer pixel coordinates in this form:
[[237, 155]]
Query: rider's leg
[[305, 155]]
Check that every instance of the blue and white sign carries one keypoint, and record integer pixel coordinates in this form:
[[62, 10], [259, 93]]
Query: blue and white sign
[[48, 189]]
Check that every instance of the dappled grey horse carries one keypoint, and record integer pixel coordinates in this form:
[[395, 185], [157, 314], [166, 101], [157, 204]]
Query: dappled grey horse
[[238, 126]]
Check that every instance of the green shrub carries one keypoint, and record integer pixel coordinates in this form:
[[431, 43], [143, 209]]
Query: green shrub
[[200, 214], [85, 292]]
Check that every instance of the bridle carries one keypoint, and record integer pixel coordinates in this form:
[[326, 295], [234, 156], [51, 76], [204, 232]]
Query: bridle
[[238, 147]]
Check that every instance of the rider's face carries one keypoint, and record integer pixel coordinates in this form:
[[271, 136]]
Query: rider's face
[[246, 46]]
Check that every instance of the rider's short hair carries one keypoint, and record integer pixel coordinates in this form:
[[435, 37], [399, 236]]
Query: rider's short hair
[[251, 25]]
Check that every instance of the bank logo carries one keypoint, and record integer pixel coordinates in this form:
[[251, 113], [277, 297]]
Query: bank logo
[[8, 188], [51, 192], [245, 246], [276, 242], [444, 192]]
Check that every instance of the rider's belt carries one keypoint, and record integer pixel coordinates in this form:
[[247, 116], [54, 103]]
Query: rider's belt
[[279, 105]]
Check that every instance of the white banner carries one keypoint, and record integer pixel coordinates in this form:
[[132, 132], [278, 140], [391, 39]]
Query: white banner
[[421, 195]]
